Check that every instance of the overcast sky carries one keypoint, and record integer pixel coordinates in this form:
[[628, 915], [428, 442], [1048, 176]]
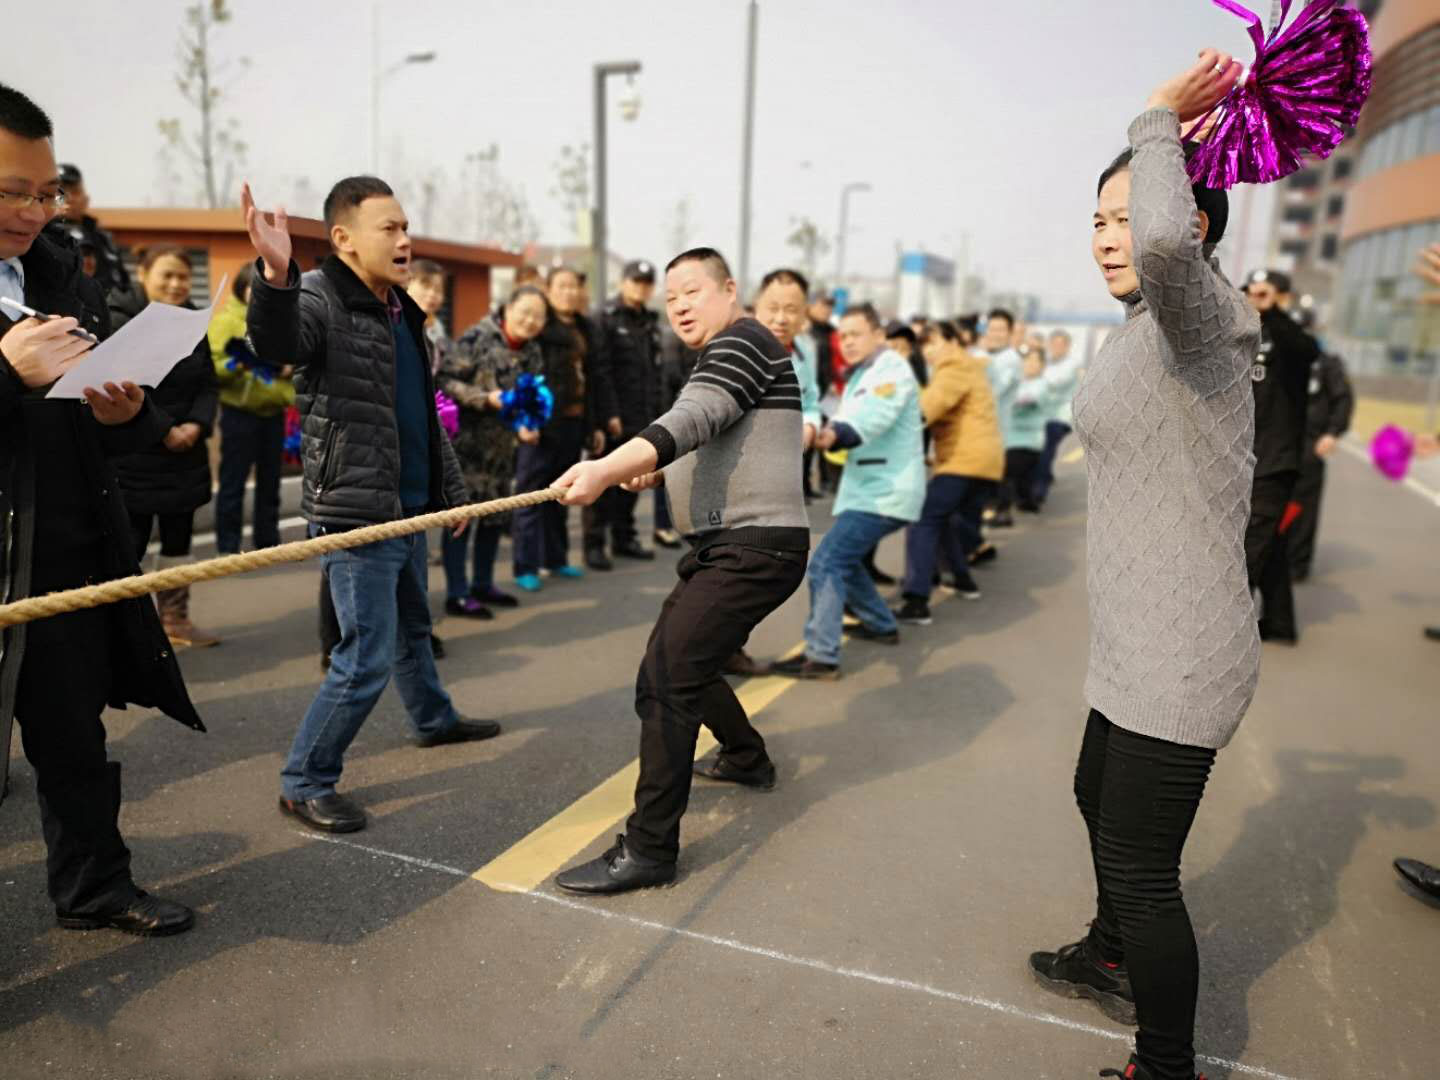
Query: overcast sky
[[987, 121]]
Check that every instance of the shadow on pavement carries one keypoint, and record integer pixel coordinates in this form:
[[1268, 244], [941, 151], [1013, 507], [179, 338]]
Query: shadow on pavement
[[1277, 886]]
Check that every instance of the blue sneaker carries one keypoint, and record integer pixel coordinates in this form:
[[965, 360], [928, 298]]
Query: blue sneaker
[[528, 582], [569, 571]]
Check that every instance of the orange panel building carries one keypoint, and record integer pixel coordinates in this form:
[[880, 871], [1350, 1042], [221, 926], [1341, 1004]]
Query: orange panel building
[[219, 246]]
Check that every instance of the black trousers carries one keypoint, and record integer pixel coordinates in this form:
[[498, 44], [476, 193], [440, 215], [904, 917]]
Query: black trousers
[[541, 534], [1267, 560], [1138, 796], [176, 532], [1300, 539], [87, 864], [612, 513], [1020, 467], [724, 592], [248, 442]]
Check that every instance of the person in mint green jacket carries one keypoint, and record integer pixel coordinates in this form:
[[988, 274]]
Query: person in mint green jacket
[[1025, 436], [1062, 374], [882, 490], [253, 400]]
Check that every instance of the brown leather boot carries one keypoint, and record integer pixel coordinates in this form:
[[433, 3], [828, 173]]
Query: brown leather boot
[[174, 607]]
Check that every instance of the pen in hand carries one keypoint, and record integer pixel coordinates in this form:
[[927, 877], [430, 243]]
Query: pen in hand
[[31, 313]]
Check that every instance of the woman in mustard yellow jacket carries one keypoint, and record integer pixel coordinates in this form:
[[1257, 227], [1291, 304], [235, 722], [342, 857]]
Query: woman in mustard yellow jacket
[[959, 409]]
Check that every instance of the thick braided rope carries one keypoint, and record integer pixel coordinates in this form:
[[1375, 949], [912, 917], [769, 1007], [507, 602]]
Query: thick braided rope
[[42, 607]]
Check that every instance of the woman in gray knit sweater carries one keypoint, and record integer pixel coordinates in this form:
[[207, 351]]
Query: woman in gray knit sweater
[[1166, 417]]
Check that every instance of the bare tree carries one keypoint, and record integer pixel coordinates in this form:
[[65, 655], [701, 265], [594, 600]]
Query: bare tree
[[502, 213], [572, 184], [810, 242], [214, 148]]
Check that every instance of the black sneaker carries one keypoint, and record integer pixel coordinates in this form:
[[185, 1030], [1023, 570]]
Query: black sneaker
[[802, 667], [1135, 1071], [915, 611], [879, 637], [1072, 972], [618, 870], [468, 608], [964, 585], [596, 559]]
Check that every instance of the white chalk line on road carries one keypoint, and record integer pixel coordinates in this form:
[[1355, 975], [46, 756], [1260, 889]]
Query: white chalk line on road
[[1360, 454], [860, 974]]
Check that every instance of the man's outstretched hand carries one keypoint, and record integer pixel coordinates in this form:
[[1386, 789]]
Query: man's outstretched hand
[[271, 240], [584, 482]]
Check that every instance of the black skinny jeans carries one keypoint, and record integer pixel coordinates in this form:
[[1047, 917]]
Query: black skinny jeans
[[1138, 796]]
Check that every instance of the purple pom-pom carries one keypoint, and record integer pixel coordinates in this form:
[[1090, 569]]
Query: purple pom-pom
[[1303, 92], [449, 414], [1391, 450]]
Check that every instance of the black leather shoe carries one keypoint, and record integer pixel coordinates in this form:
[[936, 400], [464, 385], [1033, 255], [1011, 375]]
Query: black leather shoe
[[327, 813], [802, 667], [1073, 973], [596, 559], [1423, 876], [879, 637], [146, 915], [463, 731], [631, 549], [742, 663], [618, 870], [762, 779]]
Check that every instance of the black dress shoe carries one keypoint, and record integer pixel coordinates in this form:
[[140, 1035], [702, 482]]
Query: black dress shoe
[[631, 549], [742, 663], [326, 813], [802, 667], [1073, 973], [762, 778], [146, 915], [596, 559], [618, 870], [879, 637], [463, 731], [1423, 876]]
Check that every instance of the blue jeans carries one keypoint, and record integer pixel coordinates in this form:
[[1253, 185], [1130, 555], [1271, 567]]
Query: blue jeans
[[486, 542], [381, 599], [837, 578], [947, 498]]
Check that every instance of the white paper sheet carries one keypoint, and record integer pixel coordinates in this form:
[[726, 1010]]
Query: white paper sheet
[[143, 351]]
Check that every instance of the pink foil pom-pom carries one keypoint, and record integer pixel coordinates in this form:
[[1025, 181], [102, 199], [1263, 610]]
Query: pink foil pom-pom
[[1391, 450], [449, 414], [1302, 94]]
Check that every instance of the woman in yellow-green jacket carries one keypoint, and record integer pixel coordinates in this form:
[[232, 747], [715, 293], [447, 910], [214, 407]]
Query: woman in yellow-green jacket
[[253, 400]]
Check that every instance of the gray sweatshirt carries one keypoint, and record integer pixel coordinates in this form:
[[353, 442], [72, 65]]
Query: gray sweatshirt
[[739, 413], [1166, 417]]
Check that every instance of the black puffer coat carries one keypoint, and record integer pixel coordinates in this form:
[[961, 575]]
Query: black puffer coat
[[160, 480], [338, 336], [145, 669]]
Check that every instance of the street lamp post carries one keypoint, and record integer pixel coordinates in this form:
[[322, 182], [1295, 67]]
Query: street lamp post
[[598, 240], [844, 229], [377, 76], [747, 150]]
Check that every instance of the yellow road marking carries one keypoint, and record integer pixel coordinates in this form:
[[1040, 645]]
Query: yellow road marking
[[1073, 456], [528, 863]]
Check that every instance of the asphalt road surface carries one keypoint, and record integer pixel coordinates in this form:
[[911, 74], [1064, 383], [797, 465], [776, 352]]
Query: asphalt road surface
[[870, 918]]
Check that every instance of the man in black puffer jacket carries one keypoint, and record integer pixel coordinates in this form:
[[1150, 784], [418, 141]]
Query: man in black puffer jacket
[[373, 452], [62, 525]]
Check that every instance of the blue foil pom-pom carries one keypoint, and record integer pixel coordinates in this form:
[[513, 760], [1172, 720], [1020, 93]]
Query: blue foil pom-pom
[[529, 404]]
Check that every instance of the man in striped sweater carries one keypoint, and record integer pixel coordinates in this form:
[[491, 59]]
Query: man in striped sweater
[[728, 454]]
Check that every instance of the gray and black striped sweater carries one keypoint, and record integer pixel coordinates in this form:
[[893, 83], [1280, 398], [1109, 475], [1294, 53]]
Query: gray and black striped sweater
[[740, 415]]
